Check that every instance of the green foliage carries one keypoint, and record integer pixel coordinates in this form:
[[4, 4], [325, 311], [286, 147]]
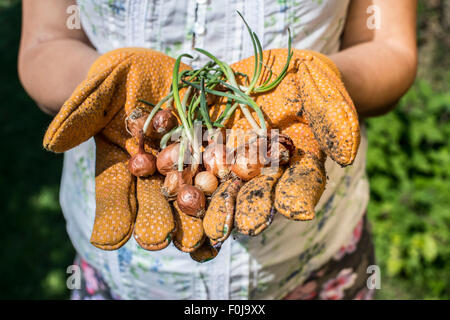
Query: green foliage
[[36, 250], [409, 168], [8, 3]]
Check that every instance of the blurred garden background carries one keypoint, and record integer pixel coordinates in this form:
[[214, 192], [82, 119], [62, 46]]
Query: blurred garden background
[[408, 165]]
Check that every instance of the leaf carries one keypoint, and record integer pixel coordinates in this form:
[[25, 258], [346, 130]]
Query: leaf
[[430, 248]]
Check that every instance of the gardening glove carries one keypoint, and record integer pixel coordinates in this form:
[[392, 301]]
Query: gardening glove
[[189, 235], [99, 107], [312, 107], [205, 252], [219, 217]]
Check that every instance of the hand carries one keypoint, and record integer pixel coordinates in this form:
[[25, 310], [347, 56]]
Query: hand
[[313, 108], [98, 107]]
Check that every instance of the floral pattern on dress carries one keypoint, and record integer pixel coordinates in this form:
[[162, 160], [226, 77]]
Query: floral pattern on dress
[[93, 286], [116, 6], [365, 294], [334, 289], [341, 279], [351, 246], [322, 283], [308, 291]]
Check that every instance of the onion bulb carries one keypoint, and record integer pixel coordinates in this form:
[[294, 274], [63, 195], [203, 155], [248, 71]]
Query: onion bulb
[[215, 160], [245, 166], [207, 182], [283, 151], [279, 155], [174, 181], [142, 164], [167, 159], [191, 200], [134, 123], [163, 122], [287, 142]]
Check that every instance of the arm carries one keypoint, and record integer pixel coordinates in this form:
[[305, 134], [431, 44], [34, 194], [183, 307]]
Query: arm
[[53, 59], [378, 66]]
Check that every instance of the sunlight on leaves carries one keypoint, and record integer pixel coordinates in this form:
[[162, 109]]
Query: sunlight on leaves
[[55, 283], [46, 199]]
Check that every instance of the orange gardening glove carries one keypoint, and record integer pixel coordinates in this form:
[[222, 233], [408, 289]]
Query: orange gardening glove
[[312, 107], [99, 107]]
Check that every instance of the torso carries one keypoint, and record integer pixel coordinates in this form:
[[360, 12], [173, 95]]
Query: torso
[[262, 267]]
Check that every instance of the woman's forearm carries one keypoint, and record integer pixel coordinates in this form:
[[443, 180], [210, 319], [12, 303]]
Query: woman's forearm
[[50, 71], [378, 62], [53, 59], [376, 74]]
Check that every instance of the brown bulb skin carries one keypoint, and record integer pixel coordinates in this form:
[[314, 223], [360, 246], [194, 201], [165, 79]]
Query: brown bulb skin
[[207, 182], [245, 169], [167, 159], [142, 164], [247, 163], [215, 160], [280, 156], [135, 121], [174, 181], [192, 201], [163, 122]]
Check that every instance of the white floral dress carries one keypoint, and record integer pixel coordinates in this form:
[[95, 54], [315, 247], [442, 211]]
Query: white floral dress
[[264, 267]]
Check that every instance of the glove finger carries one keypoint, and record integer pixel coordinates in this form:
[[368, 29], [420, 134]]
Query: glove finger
[[303, 138], [312, 89], [155, 223], [300, 187], [115, 197], [205, 252], [282, 104], [255, 201], [189, 234], [97, 100], [329, 110], [218, 219], [149, 77], [90, 108], [107, 154]]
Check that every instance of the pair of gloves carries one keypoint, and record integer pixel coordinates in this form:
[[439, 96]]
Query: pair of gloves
[[310, 105]]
